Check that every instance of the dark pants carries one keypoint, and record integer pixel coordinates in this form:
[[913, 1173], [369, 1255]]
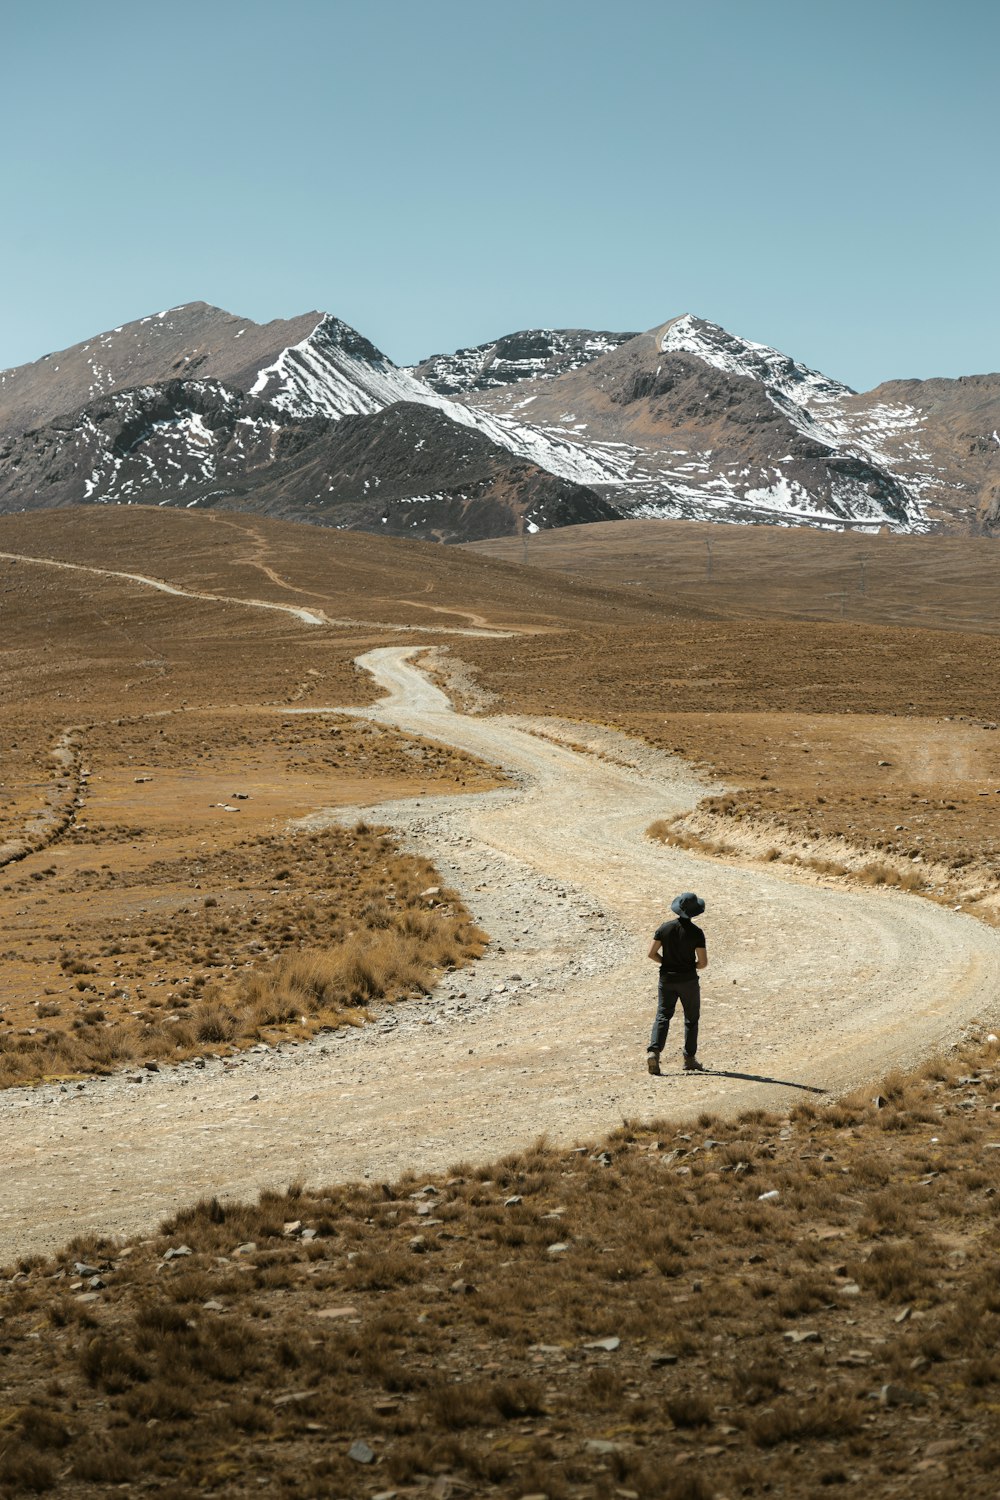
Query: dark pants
[[688, 992]]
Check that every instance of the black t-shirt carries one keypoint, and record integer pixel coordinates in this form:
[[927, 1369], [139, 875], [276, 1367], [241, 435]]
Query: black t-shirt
[[678, 940]]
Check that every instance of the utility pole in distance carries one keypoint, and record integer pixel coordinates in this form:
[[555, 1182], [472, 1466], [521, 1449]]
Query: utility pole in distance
[[708, 560]]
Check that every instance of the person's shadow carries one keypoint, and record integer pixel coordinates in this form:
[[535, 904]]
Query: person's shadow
[[785, 1083]]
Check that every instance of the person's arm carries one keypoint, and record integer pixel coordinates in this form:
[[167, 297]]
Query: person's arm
[[701, 958], [655, 952]]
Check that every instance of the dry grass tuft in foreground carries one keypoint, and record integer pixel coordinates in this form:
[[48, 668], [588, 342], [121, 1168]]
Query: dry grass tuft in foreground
[[298, 935], [644, 1320]]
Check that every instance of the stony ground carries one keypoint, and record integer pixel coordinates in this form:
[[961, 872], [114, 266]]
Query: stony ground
[[773, 1305]]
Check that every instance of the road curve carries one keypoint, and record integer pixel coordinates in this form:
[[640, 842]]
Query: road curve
[[810, 987]]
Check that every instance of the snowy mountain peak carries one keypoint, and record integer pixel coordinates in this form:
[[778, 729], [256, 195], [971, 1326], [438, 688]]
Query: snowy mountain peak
[[334, 372], [737, 356]]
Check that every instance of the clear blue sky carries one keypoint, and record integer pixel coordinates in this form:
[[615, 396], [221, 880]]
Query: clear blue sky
[[817, 176]]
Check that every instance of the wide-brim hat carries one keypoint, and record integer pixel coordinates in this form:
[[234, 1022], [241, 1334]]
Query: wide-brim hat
[[687, 905]]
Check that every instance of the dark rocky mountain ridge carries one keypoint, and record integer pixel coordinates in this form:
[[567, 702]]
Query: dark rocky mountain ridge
[[404, 470], [532, 354]]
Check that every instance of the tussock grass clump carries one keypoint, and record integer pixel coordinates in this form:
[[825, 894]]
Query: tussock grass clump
[[833, 1332]]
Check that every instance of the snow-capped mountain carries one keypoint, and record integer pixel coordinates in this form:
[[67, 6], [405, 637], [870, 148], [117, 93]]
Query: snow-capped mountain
[[703, 425], [406, 469], [307, 418]]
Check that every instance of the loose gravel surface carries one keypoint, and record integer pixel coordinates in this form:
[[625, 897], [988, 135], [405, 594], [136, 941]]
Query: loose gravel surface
[[811, 989]]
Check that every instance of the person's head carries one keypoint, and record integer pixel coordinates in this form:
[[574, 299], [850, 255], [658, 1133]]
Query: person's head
[[687, 905]]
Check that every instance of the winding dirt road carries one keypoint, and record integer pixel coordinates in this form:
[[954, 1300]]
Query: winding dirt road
[[297, 611], [810, 988]]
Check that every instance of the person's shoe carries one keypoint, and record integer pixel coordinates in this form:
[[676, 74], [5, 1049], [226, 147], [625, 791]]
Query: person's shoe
[[653, 1063], [692, 1065]]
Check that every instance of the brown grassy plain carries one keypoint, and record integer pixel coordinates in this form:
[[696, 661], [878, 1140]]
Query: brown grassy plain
[[154, 748], [829, 727], [839, 1339], [637, 1320]]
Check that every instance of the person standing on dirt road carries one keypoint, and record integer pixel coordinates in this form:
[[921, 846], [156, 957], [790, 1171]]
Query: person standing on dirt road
[[679, 949]]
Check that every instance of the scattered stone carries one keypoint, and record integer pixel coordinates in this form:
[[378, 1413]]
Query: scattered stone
[[88, 1297], [855, 1358], [558, 1248], [82, 1269], [901, 1395], [176, 1251], [880, 1101], [609, 1345], [152, 1066], [603, 1158], [213, 1305], [246, 1249], [603, 1445], [512, 1201], [768, 1197], [850, 1290], [661, 1357], [461, 1286], [360, 1452], [902, 1315], [292, 1227], [418, 1243], [803, 1336], [335, 1312], [288, 1397]]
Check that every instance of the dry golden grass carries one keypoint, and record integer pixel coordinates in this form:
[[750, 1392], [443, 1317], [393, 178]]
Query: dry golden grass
[[263, 937], [841, 1335], [776, 573], [792, 681]]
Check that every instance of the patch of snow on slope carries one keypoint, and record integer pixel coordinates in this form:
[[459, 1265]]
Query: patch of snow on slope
[[545, 448]]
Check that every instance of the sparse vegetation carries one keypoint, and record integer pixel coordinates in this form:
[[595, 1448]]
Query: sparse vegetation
[[841, 1335], [307, 931]]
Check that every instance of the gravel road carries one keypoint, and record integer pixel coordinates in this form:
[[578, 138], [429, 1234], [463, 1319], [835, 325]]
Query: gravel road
[[811, 989]]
